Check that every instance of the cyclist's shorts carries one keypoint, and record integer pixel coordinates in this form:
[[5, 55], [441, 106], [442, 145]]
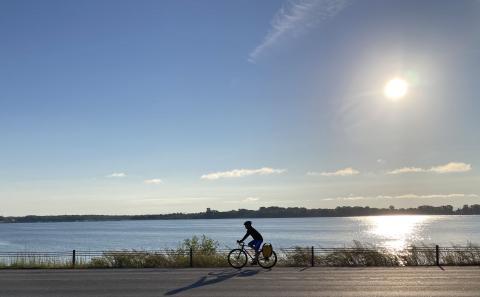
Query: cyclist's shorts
[[256, 244]]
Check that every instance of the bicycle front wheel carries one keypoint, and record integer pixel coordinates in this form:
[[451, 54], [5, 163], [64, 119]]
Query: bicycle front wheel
[[237, 258], [267, 262]]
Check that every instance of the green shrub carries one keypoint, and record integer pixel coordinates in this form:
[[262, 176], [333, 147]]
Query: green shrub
[[203, 245]]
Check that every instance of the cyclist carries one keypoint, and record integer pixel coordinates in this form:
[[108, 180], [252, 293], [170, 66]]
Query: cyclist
[[256, 243]]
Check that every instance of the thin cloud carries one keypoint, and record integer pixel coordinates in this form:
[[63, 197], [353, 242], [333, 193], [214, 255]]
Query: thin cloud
[[405, 196], [242, 173], [251, 199], [297, 17], [433, 196], [342, 172], [407, 170], [117, 174], [153, 181], [452, 167]]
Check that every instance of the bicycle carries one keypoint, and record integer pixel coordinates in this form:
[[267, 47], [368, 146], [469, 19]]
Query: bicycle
[[237, 258]]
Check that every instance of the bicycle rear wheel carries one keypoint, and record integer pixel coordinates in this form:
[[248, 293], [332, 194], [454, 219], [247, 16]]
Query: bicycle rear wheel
[[267, 262], [237, 258]]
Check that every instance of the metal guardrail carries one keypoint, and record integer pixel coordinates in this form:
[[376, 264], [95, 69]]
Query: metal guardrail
[[303, 256]]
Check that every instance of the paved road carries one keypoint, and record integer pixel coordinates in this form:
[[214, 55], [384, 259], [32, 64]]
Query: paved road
[[413, 281]]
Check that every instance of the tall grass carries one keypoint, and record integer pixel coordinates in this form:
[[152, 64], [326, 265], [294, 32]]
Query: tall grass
[[207, 254], [134, 259], [468, 255], [297, 256], [360, 254], [420, 255], [34, 260]]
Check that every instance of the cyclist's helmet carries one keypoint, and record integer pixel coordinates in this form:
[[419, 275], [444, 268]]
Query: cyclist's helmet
[[248, 223]]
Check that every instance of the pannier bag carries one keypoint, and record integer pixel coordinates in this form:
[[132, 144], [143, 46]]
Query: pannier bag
[[267, 250]]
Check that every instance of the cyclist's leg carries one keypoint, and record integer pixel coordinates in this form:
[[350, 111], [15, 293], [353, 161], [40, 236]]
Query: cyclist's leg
[[257, 244]]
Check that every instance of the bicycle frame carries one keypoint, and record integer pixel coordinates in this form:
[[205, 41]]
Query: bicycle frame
[[242, 247]]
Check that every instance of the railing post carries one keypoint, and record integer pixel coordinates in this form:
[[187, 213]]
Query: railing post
[[437, 255], [313, 256], [191, 257], [74, 258]]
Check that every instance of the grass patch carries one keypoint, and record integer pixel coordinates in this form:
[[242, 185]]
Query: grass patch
[[205, 254], [468, 255], [137, 259], [359, 255], [28, 261], [298, 256]]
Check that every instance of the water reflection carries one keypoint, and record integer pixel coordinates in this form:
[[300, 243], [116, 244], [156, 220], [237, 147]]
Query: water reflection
[[396, 232]]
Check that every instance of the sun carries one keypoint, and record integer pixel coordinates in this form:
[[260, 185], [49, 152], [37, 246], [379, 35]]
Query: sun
[[396, 89]]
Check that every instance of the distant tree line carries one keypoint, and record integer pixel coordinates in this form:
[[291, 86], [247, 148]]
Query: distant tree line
[[262, 212]]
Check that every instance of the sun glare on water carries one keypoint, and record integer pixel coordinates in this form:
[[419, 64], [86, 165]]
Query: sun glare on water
[[396, 89], [397, 232]]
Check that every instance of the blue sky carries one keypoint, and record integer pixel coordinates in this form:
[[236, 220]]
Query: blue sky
[[165, 106]]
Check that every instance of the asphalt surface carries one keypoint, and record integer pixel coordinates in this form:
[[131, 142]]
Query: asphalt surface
[[403, 281]]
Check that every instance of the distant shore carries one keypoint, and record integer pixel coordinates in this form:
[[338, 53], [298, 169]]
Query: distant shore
[[262, 212]]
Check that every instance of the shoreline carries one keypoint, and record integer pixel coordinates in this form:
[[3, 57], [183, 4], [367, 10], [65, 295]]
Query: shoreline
[[272, 212], [233, 218]]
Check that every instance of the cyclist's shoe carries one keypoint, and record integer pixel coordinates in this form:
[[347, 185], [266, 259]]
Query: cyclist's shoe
[[254, 262]]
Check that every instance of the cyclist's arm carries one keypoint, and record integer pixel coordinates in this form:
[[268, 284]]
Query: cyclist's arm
[[244, 237]]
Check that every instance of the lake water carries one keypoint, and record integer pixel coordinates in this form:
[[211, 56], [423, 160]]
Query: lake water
[[394, 232]]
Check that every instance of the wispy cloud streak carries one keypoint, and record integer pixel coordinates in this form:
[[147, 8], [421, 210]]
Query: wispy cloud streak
[[342, 172], [242, 173], [153, 181], [407, 170], [296, 17], [251, 199], [452, 167], [117, 174], [406, 196]]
